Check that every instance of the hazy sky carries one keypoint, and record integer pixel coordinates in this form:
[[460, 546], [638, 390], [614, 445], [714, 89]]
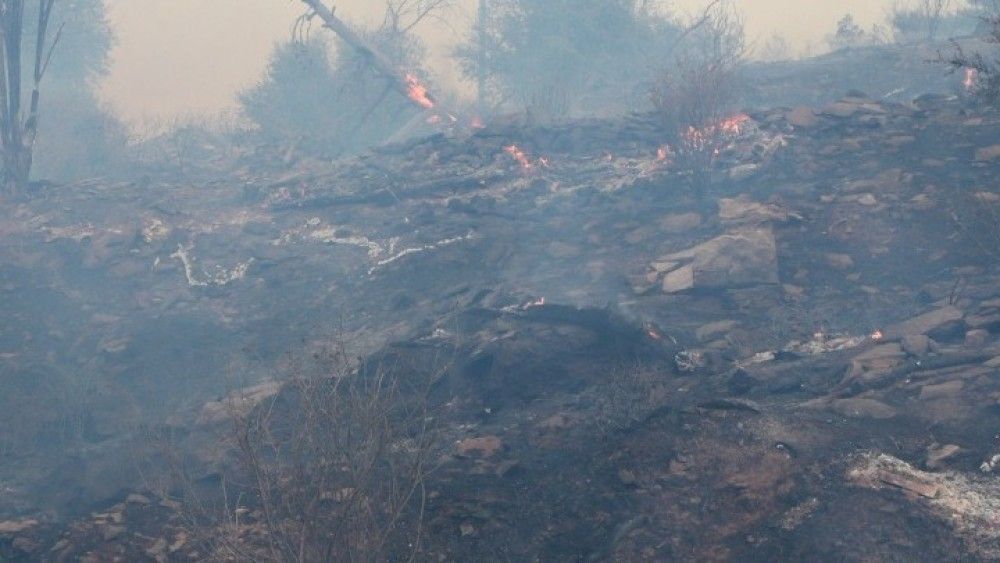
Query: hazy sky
[[183, 58]]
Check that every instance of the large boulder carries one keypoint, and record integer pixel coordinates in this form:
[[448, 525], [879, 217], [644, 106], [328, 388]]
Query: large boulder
[[739, 258]]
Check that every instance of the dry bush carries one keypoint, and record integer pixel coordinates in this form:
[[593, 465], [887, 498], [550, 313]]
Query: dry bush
[[333, 467], [982, 68], [701, 89], [630, 395], [977, 218]]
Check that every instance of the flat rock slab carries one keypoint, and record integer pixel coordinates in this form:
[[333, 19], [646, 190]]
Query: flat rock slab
[[745, 257], [925, 323]]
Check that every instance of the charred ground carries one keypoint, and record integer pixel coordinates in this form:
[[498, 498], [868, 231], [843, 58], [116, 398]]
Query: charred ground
[[796, 357]]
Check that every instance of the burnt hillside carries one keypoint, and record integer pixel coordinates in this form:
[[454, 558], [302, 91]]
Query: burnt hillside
[[795, 353]]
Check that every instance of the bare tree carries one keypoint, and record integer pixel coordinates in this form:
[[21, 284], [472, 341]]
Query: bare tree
[[921, 19], [19, 127]]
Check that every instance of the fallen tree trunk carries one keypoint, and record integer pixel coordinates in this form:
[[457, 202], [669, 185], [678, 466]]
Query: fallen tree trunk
[[407, 83]]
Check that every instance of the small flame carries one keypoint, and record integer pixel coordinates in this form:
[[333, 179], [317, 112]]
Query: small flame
[[417, 92], [520, 156], [971, 79], [662, 153], [877, 335], [477, 123], [544, 161], [540, 302], [733, 125]]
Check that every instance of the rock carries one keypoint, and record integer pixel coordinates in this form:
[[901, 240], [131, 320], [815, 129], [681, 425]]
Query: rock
[[938, 454], [743, 211], [924, 324], [486, 446], [679, 280], [238, 402], [559, 249], [740, 258], [988, 154], [707, 332], [627, 478], [802, 116], [882, 351], [137, 499], [840, 261], [941, 390], [743, 171], [908, 483], [679, 223], [661, 267], [977, 338], [867, 200], [857, 407], [840, 109], [158, 551], [111, 533], [11, 527], [916, 344]]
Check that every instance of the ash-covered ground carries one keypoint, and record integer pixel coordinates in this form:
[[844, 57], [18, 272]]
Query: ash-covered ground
[[792, 354]]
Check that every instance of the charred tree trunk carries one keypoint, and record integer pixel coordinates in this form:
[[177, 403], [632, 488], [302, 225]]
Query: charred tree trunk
[[17, 128]]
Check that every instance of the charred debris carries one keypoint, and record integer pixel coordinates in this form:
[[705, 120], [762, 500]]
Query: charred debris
[[773, 336]]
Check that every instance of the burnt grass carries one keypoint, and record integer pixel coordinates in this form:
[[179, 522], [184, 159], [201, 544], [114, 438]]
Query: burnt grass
[[437, 253]]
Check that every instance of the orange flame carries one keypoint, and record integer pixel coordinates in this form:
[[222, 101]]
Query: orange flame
[[733, 125], [417, 92], [662, 153], [877, 335], [712, 135], [971, 78], [520, 156]]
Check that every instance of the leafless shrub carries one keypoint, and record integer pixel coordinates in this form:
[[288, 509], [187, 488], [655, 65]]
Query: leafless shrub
[[977, 218], [700, 90], [332, 467]]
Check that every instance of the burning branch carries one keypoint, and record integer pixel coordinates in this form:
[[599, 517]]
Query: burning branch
[[406, 83]]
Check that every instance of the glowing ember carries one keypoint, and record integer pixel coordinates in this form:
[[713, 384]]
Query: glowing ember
[[520, 156], [417, 92], [652, 331], [877, 335], [662, 153], [971, 78], [540, 302]]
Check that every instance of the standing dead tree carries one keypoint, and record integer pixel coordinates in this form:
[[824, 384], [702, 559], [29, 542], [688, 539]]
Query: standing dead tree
[[19, 128]]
